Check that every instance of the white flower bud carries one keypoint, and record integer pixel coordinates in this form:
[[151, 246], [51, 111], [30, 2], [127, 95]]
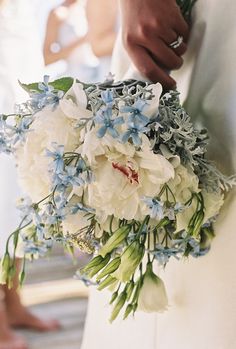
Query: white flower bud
[[152, 297]]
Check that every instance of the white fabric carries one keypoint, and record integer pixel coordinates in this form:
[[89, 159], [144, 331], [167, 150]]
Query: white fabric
[[20, 58], [202, 292]]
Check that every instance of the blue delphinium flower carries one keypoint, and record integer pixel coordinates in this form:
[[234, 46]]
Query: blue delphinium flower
[[134, 132], [163, 254], [107, 97], [63, 176], [186, 241], [71, 177], [30, 212], [60, 200], [27, 209], [135, 112], [172, 209], [37, 249], [4, 146], [81, 208], [18, 132], [57, 155], [104, 118], [53, 215], [197, 251], [84, 171], [46, 95], [160, 209], [156, 207]]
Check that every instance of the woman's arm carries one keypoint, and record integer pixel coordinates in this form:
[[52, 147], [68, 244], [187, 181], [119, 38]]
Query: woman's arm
[[53, 26], [102, 16]]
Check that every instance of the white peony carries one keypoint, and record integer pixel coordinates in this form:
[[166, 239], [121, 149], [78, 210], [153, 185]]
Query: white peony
[[74, 222], [213, 203], [184, 183], [122, 175], [121, 181], [49, 126], [74, 103], [93, 147]]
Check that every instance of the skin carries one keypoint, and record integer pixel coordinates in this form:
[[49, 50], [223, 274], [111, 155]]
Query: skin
[[102, 33], [8, 339], [14, 314], [53, 26], [148, 28]]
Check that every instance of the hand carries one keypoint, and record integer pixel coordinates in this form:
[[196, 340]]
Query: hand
[[149, 27]]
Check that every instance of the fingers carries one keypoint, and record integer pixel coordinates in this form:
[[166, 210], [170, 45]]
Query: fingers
[[180, 26], [149, 27], [172, 36], [180, 51], [166, 56], [148, 67]]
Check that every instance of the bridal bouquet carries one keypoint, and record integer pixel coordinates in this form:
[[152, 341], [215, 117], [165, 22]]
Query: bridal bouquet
[[119, 171]]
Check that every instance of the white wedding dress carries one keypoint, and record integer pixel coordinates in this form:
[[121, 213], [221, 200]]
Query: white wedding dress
[[20, 58], [81, 63], [202, 292]]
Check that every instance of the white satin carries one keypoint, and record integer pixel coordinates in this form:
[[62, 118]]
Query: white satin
[[20, 58], [202, 292]]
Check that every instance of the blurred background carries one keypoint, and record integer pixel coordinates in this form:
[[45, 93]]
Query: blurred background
[[58, 38]]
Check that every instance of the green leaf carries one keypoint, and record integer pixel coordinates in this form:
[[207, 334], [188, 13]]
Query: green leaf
[[62, 84], [29, 87]]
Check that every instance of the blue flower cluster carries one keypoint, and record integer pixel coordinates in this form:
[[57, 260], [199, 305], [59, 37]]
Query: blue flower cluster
[[135, 123], [36, 249], [30, 213], [5, 146], [45, 95], [67, 176], [162, 254], [186, 242], [160, 209], [11, 136]]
